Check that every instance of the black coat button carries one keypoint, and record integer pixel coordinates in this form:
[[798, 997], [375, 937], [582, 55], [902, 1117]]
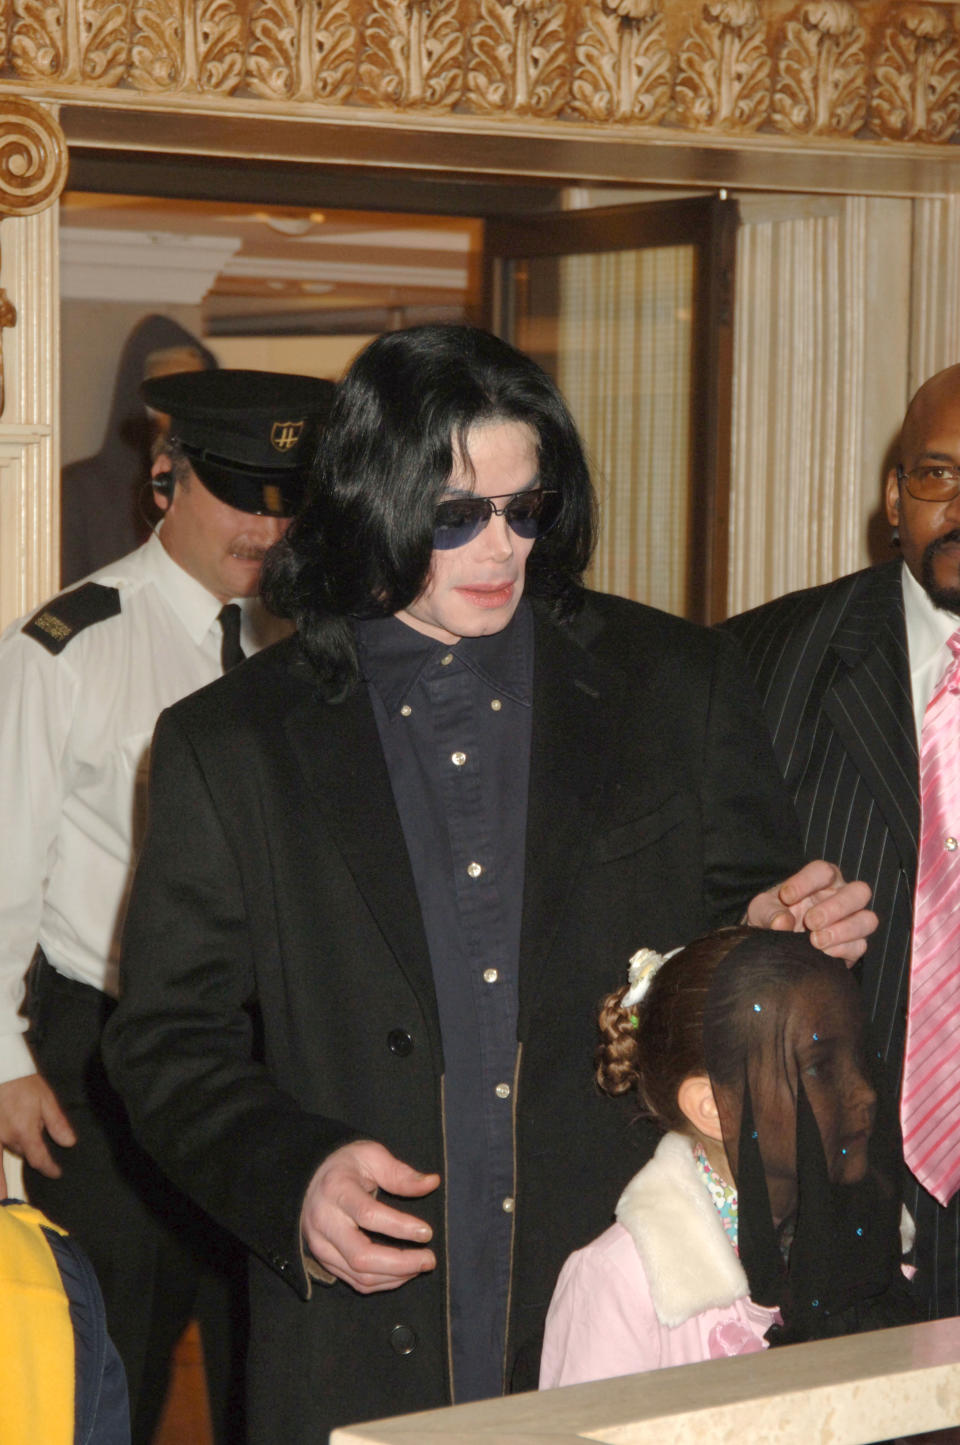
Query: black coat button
[[400, 1043], [403, 1339]]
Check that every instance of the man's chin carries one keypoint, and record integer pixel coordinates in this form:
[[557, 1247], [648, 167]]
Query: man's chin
[[944, 597]]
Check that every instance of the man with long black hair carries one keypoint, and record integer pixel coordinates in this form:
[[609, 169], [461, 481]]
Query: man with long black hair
[[391, 868]]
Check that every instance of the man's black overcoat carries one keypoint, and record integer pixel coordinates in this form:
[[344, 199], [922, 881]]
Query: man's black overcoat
[[274, 945]]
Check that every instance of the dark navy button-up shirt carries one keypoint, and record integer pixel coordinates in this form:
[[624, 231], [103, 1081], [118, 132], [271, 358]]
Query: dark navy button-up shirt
[[455, 726]]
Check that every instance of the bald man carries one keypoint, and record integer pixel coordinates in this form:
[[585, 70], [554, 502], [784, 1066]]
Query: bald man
[[845, 672]]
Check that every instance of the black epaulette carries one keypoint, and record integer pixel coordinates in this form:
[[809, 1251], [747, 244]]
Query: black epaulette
[[54, 625]]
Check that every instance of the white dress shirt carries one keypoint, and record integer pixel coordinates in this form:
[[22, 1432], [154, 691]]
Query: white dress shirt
[[75, 733], [928, 628]]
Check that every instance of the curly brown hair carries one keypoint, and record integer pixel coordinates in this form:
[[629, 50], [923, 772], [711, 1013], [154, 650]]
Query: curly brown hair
[[653, 1048]]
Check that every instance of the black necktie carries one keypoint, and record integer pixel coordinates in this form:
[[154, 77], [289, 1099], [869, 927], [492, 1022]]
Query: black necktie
[[230, 650]]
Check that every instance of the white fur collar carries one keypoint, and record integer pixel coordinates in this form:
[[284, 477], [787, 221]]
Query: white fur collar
[[689, 1262]]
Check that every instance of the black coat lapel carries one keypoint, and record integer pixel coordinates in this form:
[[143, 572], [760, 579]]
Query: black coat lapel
[[338, 748], [869, 703], [578, 703]]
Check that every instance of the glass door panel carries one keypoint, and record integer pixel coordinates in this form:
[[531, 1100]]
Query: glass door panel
[[630, 333]]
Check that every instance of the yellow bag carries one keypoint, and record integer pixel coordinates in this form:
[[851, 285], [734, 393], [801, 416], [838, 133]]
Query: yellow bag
[[36, 1334]]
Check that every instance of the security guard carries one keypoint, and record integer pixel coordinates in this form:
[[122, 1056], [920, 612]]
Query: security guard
[[83, 682]]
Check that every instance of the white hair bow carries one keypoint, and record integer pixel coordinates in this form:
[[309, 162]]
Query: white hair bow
[[643, 965]]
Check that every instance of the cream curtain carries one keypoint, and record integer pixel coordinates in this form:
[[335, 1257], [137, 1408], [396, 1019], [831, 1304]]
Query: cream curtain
[[935, 333], [625, 339], [820, 359], [843, 308]]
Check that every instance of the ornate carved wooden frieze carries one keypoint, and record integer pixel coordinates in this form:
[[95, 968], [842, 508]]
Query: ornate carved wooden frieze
[[845, 70]]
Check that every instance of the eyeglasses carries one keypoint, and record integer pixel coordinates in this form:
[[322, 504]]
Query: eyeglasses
[[528, 514], [935, 483]]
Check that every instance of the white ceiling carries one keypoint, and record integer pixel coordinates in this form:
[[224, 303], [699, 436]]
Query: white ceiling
[[262, 269]]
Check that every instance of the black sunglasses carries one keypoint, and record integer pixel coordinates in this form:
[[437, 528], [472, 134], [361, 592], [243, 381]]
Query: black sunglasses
[[529, 514]]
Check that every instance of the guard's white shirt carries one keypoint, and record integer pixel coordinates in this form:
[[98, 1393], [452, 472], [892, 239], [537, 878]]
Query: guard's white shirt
[[75, 732]]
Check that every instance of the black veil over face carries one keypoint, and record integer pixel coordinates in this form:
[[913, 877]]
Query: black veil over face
[[810, 1133]]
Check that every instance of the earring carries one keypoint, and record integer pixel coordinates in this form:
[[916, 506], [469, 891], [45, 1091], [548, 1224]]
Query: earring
[[895, 537]]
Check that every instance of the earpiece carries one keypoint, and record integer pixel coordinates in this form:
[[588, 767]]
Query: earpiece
[[163, 484]]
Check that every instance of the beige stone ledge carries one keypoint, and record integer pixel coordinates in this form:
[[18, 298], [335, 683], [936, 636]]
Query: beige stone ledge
[[851, 1391]]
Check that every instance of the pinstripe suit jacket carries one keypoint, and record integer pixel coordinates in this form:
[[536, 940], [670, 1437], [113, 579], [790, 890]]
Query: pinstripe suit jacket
[[833, 673]]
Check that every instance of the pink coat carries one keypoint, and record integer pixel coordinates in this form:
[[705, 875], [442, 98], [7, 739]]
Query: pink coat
[[662, 1286]]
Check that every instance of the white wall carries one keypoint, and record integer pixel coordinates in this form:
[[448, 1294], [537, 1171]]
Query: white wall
[[93, 334]]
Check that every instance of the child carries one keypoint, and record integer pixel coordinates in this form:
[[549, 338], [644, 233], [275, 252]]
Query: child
[[765, 1214]]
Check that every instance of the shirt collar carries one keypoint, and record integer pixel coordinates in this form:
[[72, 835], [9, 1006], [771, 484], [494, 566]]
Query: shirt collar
[[394, 657], [928, 626], [196, 608]]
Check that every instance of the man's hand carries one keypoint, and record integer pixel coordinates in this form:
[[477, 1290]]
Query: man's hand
[[835, 913], [341, 1203], [28, 1106]]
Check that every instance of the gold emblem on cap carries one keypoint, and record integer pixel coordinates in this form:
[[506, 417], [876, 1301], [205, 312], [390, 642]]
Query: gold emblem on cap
[[284, 435], [272, 499]]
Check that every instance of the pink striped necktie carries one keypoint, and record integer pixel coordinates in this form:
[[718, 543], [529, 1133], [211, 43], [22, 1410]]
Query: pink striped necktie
[[930, 1103]]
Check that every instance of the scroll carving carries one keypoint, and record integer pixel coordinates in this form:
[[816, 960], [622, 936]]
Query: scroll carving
[[519, 60], [622, 63], [33, 170], [33, 157], [179, 44], [917, 77], [821, 81], [414, 52], [724, 68]]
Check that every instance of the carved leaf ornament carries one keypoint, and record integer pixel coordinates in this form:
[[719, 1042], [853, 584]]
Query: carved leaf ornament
[[724, 68], [821, 85], [917, 90], [413, 53], [848, 70], [623, 65]]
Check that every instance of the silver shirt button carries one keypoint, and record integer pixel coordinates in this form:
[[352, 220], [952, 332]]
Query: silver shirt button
[[474, 869]]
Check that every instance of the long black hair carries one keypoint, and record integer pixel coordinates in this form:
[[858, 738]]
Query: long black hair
[[361, 547]]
